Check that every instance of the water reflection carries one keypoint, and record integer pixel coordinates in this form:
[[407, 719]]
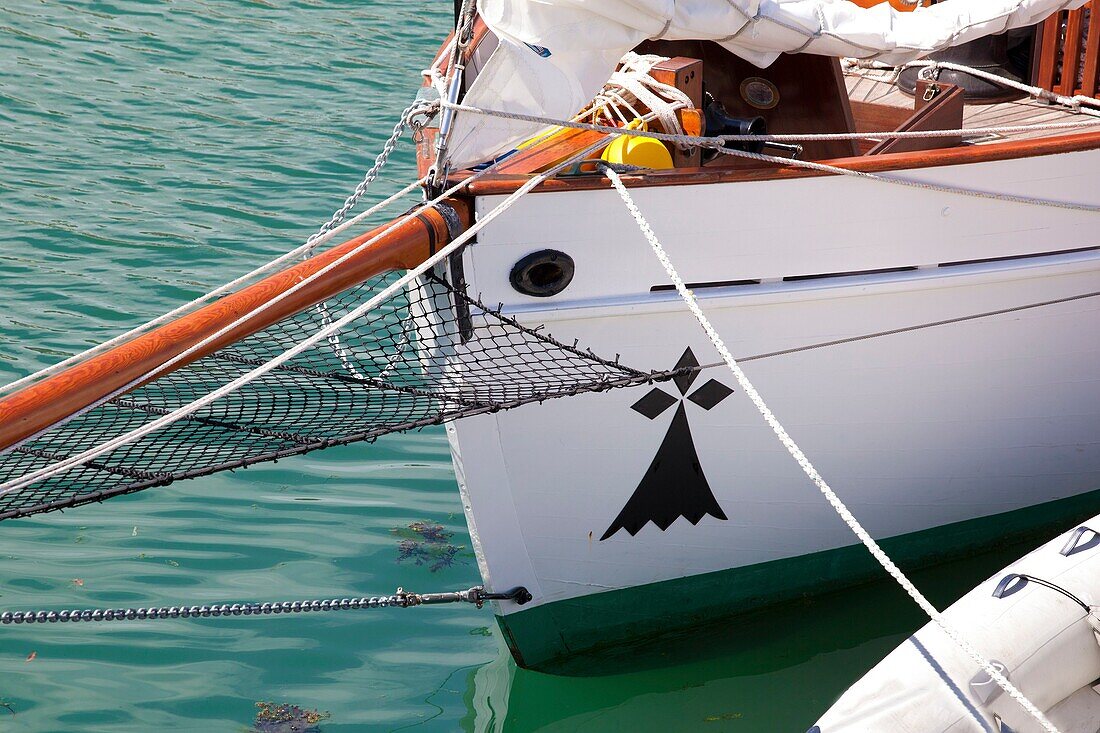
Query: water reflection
[[772, 671]]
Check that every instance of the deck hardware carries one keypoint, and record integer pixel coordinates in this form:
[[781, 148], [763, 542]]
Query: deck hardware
[[542, 274]]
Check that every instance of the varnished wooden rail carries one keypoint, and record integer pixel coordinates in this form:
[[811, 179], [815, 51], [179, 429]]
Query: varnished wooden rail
[[1069, 60], [40, 405]]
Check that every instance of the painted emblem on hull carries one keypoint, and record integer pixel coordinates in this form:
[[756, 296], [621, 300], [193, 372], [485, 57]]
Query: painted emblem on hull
[[674, 486]]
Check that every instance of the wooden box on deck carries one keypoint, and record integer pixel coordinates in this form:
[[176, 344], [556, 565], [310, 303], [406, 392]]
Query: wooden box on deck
[[812, 94]]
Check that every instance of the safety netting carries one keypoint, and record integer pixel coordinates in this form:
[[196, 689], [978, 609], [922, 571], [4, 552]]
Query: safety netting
[[429, 354]]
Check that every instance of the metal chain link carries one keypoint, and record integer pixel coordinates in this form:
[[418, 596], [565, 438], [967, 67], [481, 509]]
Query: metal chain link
[[401, 599], [419, 107]]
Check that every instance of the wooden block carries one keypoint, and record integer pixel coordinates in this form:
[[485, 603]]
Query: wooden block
[[871, 117], [810, 94], [686, 74], [939, 107]]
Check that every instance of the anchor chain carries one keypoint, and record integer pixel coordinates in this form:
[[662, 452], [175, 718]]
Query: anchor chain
[[476, 595]]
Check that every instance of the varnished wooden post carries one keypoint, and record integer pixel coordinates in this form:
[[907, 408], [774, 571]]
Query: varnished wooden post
[[1091, 76], [686, 75]]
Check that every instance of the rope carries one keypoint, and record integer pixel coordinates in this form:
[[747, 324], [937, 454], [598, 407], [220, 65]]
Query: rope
[[182, 412], [328, 231], [904, 329], [216, 292], [808, 468], [632, 84], [717, 141], [258, 310], [910, 183], [1074, 102], [717, 144]]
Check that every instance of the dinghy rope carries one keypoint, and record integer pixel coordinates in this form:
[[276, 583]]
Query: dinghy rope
[[807, 467]]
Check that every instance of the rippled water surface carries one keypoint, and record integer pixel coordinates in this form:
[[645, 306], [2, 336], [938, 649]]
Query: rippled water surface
[[148, 152]]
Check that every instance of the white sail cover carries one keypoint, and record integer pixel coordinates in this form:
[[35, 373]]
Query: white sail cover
[[554, 55]]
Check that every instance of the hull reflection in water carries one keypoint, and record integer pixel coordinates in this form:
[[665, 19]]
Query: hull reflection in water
[[775, 670]]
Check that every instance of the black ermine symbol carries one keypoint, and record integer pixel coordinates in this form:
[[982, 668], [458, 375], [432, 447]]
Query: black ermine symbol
[[674, 486]]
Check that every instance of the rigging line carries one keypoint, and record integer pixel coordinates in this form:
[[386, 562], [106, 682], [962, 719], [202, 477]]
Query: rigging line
[[400, 283], [1075, 102], [227, 287], [902, 329], [716, 140], [716, 144], [156, 371], [808, 468], [327, 231], [909, 182]]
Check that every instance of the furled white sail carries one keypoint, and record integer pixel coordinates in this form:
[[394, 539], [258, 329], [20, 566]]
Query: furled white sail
[[554, 55]]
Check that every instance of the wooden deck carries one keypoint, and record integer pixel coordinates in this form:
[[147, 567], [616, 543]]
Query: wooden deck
[[875, 88]]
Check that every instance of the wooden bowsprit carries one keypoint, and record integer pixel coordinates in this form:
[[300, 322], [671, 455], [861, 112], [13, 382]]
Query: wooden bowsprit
[[403, 244]]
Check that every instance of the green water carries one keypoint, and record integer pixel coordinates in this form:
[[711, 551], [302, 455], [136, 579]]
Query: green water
[[152, 150]]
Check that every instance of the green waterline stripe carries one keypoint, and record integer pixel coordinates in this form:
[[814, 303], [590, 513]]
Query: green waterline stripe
[[540, 636]]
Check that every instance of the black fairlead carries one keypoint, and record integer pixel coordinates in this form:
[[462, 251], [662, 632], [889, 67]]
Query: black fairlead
[[543, 274]]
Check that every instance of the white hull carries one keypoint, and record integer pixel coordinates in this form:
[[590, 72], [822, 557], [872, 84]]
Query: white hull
[[914, 431]]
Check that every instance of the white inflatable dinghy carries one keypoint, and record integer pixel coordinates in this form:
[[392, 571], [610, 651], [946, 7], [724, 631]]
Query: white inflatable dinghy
[[1036, 621]]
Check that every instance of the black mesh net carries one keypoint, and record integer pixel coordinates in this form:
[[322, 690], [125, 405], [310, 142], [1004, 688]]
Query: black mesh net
[[427, 355]]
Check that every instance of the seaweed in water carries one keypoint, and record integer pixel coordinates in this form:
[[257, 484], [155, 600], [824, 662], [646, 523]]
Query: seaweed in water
[[284, 718], [431, 532], [426, 544]]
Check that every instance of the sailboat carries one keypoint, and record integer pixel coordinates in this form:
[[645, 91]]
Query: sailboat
[[909, 277]]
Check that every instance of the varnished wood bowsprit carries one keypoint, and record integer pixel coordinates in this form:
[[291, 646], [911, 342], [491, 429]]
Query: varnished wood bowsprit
[[35, 408]]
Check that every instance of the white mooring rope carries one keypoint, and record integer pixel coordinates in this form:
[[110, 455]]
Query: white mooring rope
[[807, 467]]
